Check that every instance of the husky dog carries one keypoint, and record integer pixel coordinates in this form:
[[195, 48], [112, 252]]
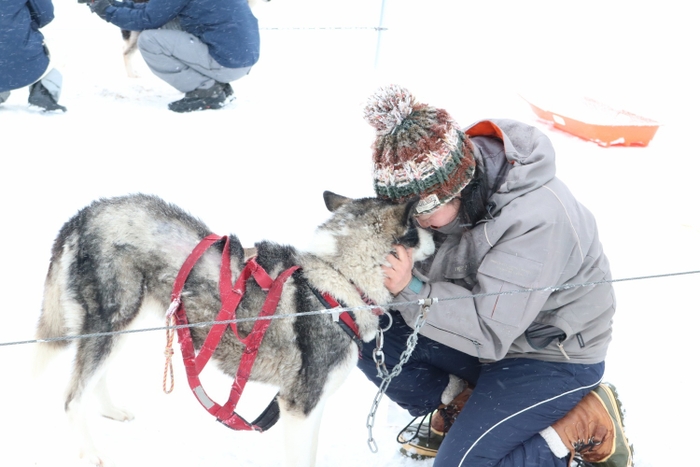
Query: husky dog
[[119, 257]]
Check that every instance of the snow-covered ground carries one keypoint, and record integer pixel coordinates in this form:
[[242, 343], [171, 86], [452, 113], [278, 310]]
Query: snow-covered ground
[[258, 169]]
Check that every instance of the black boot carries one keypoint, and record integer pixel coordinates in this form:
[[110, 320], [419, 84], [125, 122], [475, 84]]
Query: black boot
[[200, 99], [41, 97], [228, 90]]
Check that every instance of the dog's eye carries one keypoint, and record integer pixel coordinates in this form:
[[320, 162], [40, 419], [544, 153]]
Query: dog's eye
[[410, 238]]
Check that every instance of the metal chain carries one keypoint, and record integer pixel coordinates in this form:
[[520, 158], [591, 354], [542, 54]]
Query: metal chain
[[383, 373]]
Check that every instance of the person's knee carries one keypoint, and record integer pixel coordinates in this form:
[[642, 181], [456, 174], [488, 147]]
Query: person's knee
[[146, 42]]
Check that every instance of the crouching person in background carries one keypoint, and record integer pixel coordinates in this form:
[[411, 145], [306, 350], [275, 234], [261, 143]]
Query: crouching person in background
[[24, 58], [196, 46]]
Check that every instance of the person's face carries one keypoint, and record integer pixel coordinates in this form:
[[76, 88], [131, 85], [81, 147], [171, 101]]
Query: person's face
[[441, 216]]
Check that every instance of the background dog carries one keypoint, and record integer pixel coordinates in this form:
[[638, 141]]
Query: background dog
[[119, 257], [130, 39]]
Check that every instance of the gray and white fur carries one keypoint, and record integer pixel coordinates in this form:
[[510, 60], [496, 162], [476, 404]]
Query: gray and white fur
[[119, 257]]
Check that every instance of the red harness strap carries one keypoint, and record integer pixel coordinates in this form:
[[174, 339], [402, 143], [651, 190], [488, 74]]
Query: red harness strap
[[230, 299], [348, 323]]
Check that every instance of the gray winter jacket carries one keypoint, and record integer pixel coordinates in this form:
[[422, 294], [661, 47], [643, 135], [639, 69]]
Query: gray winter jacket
[[536, 236]]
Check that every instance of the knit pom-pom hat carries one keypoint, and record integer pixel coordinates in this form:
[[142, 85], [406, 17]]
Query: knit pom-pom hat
[[419, 150]]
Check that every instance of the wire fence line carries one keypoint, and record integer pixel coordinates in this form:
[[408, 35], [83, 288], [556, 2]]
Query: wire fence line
[[325, 28], [202, 324]]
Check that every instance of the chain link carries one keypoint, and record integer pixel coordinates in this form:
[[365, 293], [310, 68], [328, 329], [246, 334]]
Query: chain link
[[383, 373]]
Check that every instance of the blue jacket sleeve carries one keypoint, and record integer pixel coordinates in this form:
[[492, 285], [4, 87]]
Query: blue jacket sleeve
[[41, 12], [140, 16]]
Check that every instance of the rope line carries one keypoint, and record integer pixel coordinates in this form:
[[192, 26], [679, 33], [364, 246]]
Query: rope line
[[202, 324], [168, 374]]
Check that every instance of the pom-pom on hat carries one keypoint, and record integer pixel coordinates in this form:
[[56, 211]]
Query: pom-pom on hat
[[419, 150]]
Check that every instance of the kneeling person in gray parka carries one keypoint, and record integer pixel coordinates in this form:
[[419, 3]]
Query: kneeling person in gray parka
[[196, 46]]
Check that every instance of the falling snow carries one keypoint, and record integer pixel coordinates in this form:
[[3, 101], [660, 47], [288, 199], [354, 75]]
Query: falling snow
[[258, 169]]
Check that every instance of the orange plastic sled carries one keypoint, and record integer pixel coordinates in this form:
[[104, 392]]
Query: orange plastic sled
[[594, 121]]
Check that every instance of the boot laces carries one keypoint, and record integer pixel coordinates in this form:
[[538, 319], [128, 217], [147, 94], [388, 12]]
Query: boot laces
[[423, 418], [582, 447], [449, 415], [577, 461]]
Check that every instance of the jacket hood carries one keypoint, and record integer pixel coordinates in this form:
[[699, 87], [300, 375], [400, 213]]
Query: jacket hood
[[527, 149]]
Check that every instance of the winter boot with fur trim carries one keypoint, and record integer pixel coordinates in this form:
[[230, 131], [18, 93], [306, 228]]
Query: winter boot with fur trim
[[446, 414], [593, 431]]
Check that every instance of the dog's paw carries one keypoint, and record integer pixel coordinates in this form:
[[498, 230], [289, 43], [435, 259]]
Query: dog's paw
[[115, 413], [90, 457]]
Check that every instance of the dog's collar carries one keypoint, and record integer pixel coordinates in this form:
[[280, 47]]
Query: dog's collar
[[376, 309]]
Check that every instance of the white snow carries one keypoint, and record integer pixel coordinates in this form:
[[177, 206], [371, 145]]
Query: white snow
[[258, 169]]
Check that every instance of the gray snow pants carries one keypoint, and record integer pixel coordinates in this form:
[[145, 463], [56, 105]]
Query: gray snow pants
[[183, 61]]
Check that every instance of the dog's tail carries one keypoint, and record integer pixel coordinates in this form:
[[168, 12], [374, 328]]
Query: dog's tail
[[60, 316]]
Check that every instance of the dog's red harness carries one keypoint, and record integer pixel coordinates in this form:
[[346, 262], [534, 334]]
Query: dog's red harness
[[230, 299]]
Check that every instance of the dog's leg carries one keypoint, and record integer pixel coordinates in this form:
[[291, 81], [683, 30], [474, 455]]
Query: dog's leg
[[130, 42], [301, 435], [88, 362], [301, 431], [90, 377], [101, 390], [107, 407]]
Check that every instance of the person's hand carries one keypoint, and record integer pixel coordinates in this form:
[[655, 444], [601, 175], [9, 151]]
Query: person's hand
[[399, 272], [99, 6]]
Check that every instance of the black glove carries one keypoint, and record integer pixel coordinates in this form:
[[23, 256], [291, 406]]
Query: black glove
[[99, 6]]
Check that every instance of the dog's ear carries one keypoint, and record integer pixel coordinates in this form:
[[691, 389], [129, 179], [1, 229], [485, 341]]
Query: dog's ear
[[334, 201], [410, 210]]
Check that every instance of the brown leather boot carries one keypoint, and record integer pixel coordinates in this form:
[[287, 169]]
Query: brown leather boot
[[446, 414], [421, 438], [593, 430]]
